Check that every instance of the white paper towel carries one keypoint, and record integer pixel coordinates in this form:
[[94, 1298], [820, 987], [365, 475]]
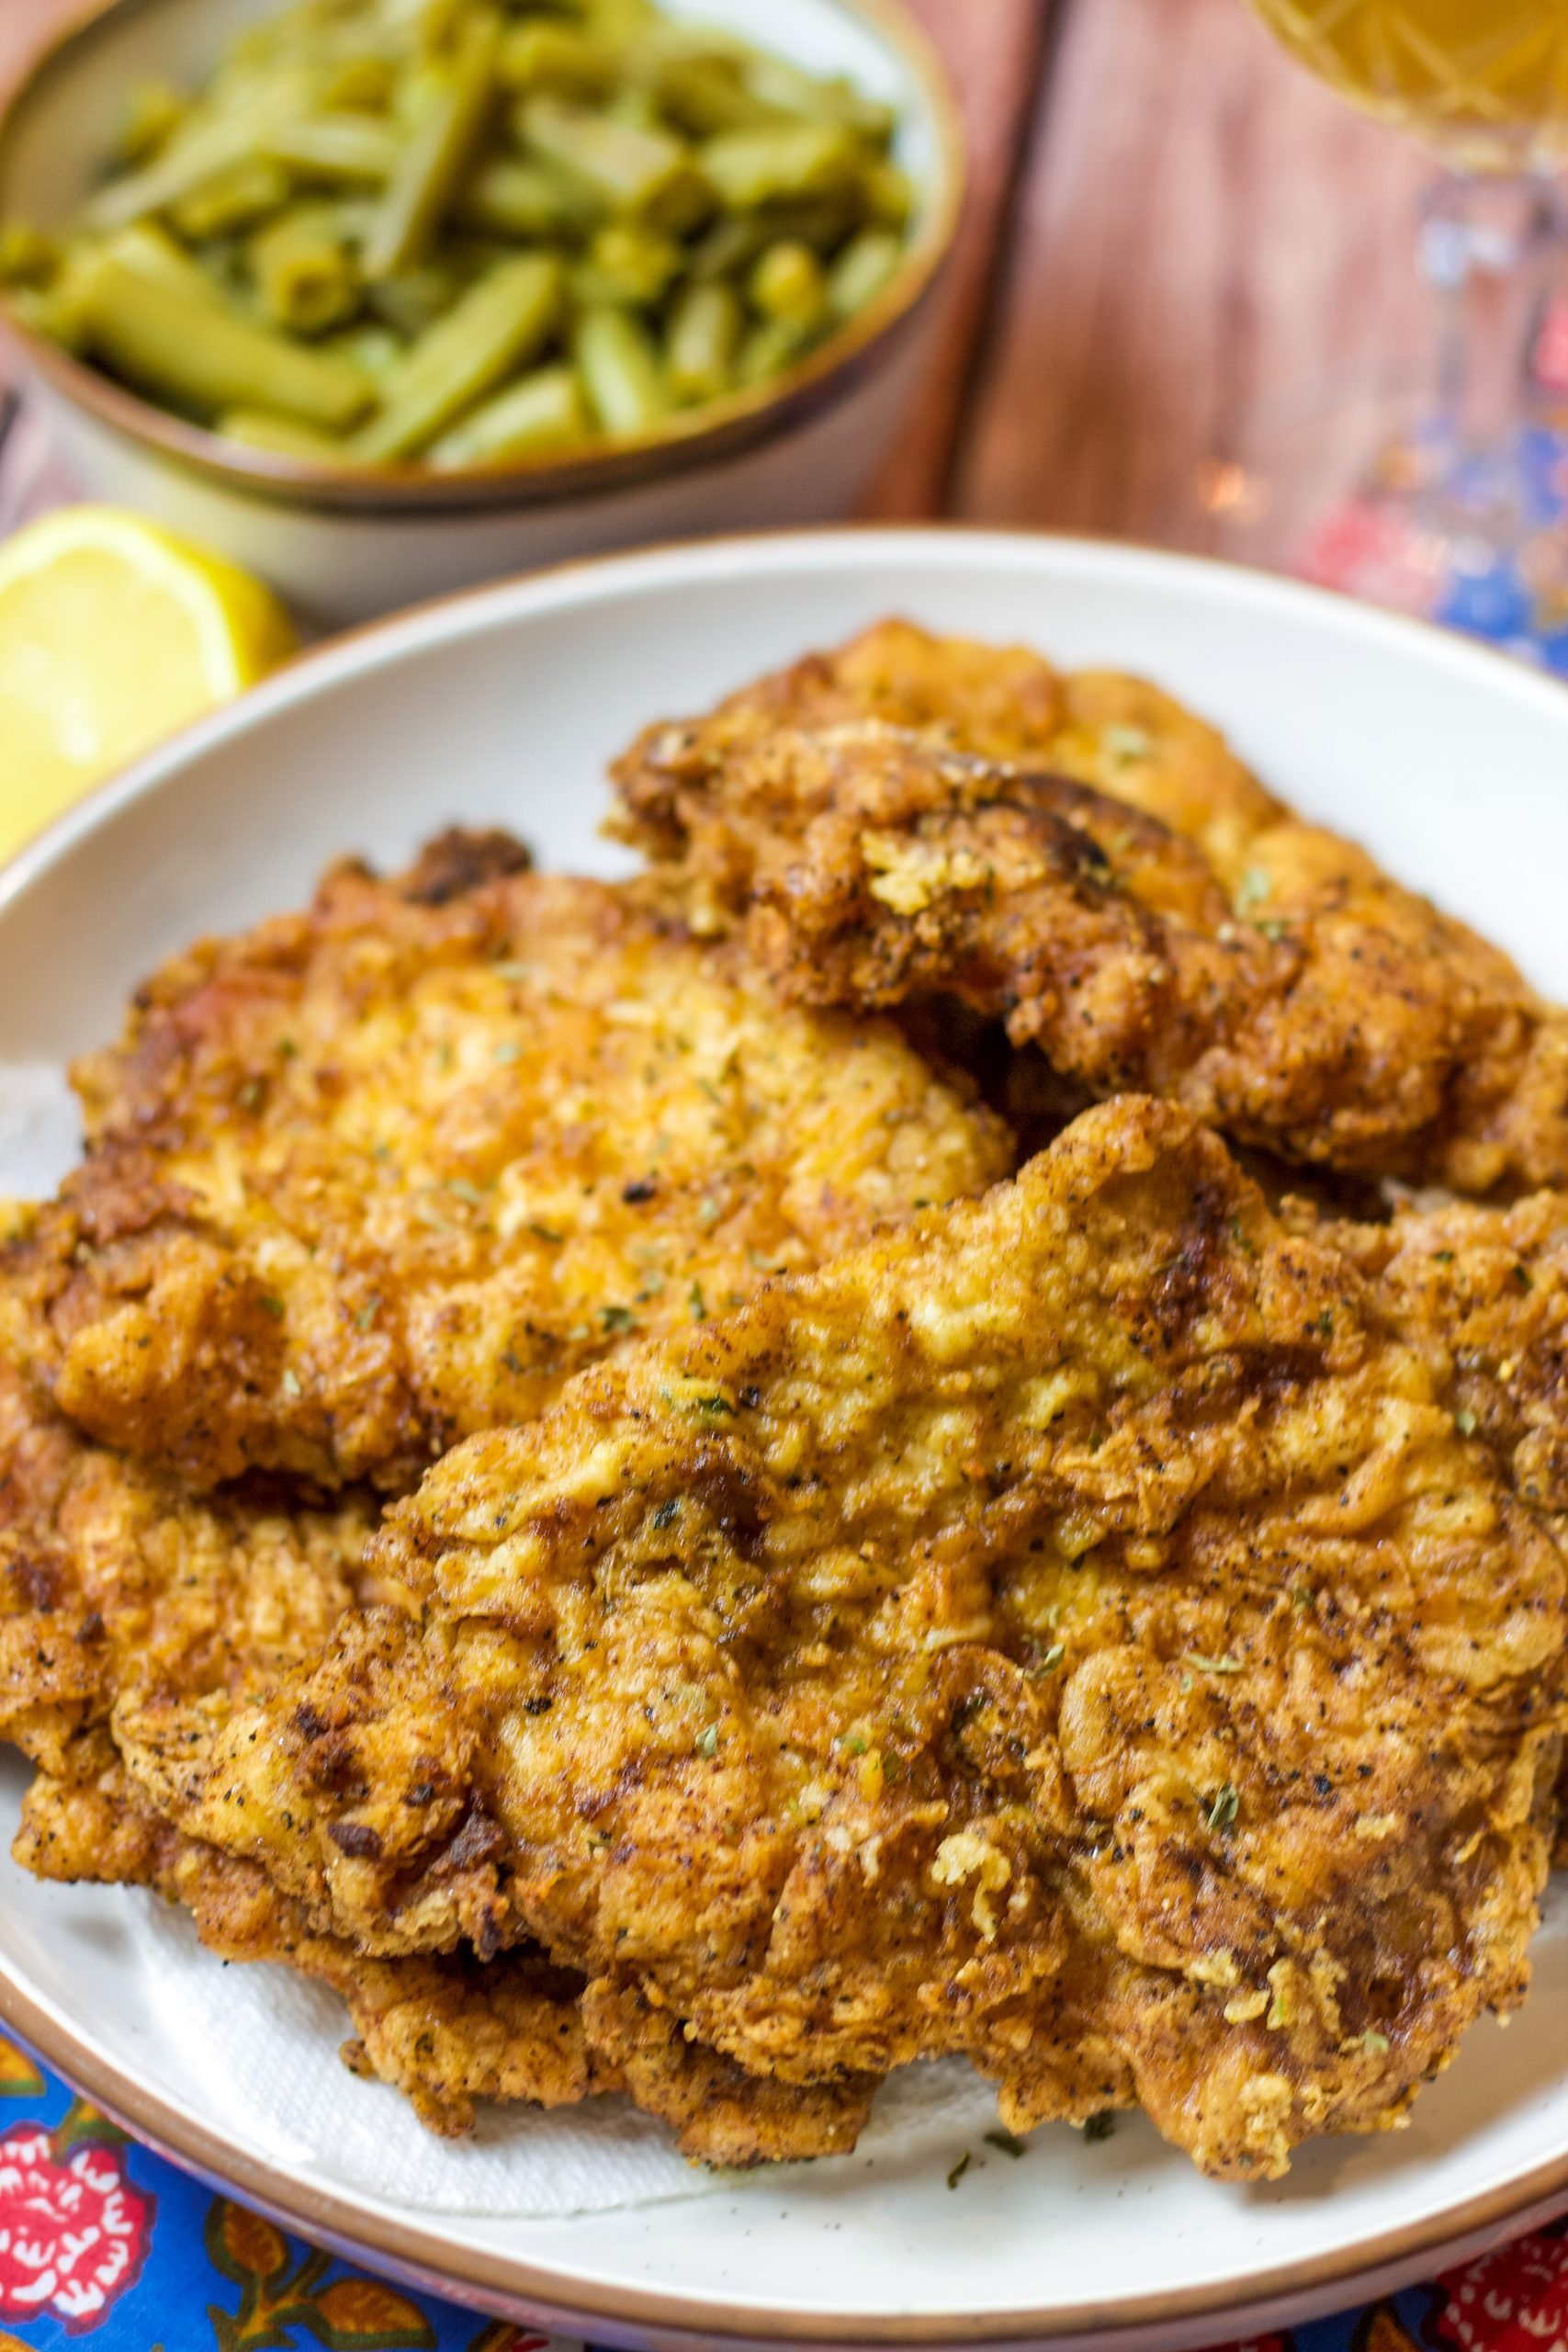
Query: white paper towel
[[271, 2042], [270, 2039]]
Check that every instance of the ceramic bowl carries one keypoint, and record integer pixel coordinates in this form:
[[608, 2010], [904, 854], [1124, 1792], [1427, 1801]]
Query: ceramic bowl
[[502, 706], [345, 546]]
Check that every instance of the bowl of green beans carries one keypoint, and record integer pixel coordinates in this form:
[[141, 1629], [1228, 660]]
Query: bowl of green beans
[[386, 297]]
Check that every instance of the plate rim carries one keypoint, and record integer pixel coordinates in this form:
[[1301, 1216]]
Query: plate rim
[[559, 2297]]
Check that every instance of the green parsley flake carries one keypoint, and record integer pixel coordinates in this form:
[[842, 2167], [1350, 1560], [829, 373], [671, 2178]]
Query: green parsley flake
[[707, 1212], [462, 1191], [544, 1232], [1226, 1664], [1052, 1658], [273, 1306], [509, 1050], [707, 1741], [959, 2169], [1464, 1421], [1100, 2126], [1008, 2142], [618, 1319], [366, 1315], [1375, 2042], [1222, 1814], [694, 1301], [1255, 886], [1125, 743]]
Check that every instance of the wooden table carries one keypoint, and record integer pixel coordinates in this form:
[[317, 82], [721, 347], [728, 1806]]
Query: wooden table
[[1173, 238]]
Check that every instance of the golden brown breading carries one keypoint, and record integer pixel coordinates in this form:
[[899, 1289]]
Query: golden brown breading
[[115, 1585], [1146, 915], [446, 2033], [1489, 1288], [379, 1174], [117, 1590], [998, 702], [1486, 1290], [1071, 1631], [113, 1578]]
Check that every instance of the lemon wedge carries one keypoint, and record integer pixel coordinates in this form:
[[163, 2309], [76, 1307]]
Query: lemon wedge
[[113, 632]]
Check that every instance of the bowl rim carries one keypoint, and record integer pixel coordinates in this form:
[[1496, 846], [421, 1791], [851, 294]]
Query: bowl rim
[[543, 2293], [687, 440]]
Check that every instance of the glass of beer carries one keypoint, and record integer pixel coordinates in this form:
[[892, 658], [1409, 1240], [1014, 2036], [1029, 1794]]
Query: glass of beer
[[1476, 479]]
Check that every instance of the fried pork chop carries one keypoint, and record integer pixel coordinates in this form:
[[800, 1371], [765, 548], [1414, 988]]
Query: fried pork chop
[[115, 1584], [913, 814], [388, 1172], [1072, 1630], [118, 1588], [114, 1580]]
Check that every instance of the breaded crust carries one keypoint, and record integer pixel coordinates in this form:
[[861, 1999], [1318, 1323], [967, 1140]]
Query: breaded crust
[[377, 1175], [911, 815], [1074, 1630], [118, 1591]]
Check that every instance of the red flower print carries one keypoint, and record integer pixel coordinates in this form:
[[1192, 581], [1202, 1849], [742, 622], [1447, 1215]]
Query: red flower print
[[1513, 2300], [73, 2230]]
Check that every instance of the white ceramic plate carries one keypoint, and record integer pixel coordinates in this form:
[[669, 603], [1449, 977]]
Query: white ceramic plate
[[502, 706]]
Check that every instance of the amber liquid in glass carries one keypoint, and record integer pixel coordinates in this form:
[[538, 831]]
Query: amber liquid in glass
[[1485, 81]]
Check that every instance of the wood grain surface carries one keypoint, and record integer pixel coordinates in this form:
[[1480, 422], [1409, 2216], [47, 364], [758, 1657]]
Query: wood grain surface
[[1176, 252], [1209, 254]]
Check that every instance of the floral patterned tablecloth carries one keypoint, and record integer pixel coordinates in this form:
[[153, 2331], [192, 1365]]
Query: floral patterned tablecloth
[[101, 2239]]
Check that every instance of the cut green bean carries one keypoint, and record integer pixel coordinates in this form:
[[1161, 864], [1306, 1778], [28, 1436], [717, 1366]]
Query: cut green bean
[[701, 341], [236, 197], [497, 326], [357, 150], [620, 372], [788, 283], [188, 349], [436, 157], [203, 146], [784, 86], [256, 429], [541, 56], [704, 95], [27, 257], [626, 265], [154, 109], [746, 168], [526, 200], [304, 273], [410, 304], [374, 348], [647, 174], [770, 348], [541, 412], [862, 270], [889, 197], [153, 253]]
